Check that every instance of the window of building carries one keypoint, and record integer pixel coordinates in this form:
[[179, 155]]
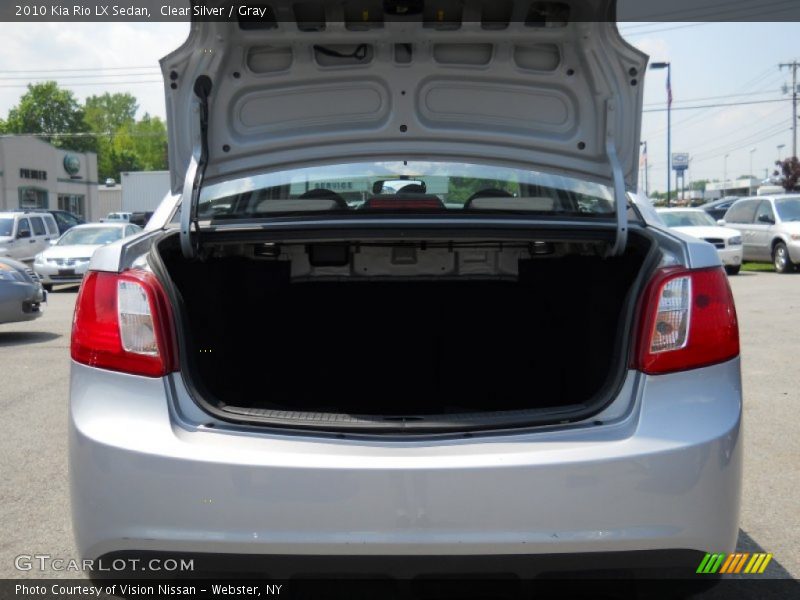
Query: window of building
[[72, 203], [31, 197]]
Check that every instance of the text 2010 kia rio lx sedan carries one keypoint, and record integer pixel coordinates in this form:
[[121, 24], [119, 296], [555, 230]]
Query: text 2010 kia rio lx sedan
[[398, 311]]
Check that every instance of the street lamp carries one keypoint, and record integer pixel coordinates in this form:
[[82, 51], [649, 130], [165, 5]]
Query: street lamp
[[666, 65], [646, 191], [725, 175]]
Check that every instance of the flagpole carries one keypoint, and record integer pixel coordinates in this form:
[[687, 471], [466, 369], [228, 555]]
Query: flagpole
[[667, 66]]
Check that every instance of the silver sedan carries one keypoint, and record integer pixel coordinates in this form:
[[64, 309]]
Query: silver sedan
[[67, 260]]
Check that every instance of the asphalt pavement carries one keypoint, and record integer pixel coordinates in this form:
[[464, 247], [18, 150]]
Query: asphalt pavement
[[34, 375]]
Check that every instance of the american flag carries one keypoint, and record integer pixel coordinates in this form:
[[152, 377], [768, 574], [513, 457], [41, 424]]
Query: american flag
[[669, 90]]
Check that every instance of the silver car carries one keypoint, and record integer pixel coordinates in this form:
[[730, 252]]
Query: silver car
[[770, 227], [66, 260], [493, 367], [21, 293]]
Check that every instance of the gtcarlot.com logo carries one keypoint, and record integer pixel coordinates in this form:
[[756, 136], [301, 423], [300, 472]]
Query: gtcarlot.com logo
[[47, 562], [738, 562]]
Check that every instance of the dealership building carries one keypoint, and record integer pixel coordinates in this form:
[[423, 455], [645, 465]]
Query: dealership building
[[35, 174]]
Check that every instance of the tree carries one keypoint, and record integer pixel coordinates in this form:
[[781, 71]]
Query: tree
[[109, 112], [789, 173], [49, 110], [147, 139], [106, 115]]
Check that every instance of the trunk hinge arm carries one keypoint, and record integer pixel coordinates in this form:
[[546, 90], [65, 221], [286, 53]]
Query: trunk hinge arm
[[620, 199], [193, 182]]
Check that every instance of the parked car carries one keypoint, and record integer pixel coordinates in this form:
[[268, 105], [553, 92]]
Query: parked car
[[718, 208], [24, 234], [67, 260], [770, 228], [141, 218], [21, 293], [532, 380], [117, 217], [698, 223], [64, 219]]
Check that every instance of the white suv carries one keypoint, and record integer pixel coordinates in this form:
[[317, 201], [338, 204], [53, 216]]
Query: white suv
[[24, 234], [492, 364]]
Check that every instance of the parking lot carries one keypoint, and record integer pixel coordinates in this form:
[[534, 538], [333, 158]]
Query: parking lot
[[34, 499]]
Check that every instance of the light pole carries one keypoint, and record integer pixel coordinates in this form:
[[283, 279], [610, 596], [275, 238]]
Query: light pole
[[725, 175], [646, 191], [750, 174], [666, 65], [780, 147]]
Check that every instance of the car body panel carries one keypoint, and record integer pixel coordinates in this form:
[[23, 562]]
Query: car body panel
[[667, 474], [730, 255], [21, 296], [759, 238], [42, 231], [61, 263]]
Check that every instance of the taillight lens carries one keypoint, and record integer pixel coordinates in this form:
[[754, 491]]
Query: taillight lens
[[123, 323], [687, 320]]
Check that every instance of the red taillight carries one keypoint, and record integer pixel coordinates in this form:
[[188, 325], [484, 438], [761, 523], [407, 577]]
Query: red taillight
[[687, 320], [122, 322]]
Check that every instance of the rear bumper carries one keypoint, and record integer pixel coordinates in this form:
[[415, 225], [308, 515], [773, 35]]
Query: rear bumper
[[665, 476]]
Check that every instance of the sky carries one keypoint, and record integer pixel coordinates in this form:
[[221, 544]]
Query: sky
[[712, 63]]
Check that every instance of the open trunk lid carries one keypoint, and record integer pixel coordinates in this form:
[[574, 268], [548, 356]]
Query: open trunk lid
[[551, 85]]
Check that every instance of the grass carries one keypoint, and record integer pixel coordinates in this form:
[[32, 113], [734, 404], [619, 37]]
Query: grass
[[758, 267]]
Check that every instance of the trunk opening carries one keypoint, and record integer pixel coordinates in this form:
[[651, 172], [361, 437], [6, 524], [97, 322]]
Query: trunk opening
[[405, 335]]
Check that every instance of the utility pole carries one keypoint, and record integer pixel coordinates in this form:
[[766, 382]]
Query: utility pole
[[793, 66]]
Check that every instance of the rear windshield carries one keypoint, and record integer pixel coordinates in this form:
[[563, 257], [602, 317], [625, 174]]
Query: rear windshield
[[6, 227], [91, 235], [788, 209], [405, 186], [687, 218]]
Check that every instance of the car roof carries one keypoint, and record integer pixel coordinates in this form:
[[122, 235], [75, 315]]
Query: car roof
[[680, 209]]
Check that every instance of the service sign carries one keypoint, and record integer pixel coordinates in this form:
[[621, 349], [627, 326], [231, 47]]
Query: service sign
[[680, 161]]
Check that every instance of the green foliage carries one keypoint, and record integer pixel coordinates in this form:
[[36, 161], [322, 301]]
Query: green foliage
[[47, 109], [121, 142], [461, 188], [147, 139], [789, 173]]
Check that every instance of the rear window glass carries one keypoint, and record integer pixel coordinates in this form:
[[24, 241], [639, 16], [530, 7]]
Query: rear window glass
[[405, 186], [38, 226]]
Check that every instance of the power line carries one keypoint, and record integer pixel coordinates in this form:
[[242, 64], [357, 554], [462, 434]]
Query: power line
[[83, 70], [59, 77], [716, 105], [97, 83], [767, 134], [708, 98]]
